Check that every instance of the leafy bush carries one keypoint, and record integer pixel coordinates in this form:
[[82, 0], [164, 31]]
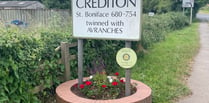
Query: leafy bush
[[27, 61], [18, 53], [162, 6], [155, 28], [96, 51]]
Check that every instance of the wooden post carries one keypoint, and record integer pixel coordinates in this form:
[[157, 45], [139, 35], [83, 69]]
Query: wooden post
[[65, 59], [80, 61], [128, 75]]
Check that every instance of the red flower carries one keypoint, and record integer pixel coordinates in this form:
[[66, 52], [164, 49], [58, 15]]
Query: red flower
[[114, 83], [88, 83], [116, 73], [122, 81], [81, 86], [104, 86]]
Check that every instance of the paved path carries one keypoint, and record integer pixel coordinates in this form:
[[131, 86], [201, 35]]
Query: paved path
[[198, 82], [203, 17]]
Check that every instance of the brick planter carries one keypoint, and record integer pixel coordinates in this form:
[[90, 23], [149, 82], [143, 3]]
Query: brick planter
[[65, 95]]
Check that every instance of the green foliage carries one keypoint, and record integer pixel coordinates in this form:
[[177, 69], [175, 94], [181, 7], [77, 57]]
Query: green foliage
[[204, 10], [164, 6], [149, 6], [16, 56], [155, 28], [59, 4], [101, 86], [94, 50], [157, 6], [26, 62], [28, 58]]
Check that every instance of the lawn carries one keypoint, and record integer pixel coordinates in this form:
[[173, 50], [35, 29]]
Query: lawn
[[167, 64]]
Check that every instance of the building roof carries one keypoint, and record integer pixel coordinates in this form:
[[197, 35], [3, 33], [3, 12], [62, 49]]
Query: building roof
[[17, 3]]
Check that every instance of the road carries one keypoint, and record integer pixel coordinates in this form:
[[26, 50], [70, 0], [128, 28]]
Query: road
[[203, 17]]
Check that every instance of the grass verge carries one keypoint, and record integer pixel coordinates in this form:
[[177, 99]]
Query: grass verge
[[204, 12], [167, 64]]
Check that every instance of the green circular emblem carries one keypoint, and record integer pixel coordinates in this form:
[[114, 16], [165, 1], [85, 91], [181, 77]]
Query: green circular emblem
[[126, 58]]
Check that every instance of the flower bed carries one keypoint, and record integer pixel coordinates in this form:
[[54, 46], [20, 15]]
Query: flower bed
[[102, 87], [65, 95]]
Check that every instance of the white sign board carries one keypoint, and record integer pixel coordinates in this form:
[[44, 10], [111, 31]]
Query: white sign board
[[188, 3], [107, 19]]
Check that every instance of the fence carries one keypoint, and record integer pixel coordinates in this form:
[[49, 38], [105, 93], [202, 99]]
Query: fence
[[36, 16]]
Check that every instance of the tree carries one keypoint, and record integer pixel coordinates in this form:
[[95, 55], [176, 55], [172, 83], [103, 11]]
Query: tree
[[157, 6], [59, 4], [149, 6], [164, 6]]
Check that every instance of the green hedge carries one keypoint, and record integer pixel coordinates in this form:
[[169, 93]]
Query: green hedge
[[21, 57], [155, 28], [24, 52]]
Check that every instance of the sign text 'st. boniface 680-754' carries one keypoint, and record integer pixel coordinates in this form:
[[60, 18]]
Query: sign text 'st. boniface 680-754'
[[107, 19]]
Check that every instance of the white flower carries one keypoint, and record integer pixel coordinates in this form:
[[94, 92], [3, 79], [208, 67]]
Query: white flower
[[91, 77], [109, 77], [110, 80]]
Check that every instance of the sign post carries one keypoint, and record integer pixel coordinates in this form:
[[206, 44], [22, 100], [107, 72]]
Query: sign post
[[126, 58], [108, 20], [188, 4], [128, 74], [80, 61]]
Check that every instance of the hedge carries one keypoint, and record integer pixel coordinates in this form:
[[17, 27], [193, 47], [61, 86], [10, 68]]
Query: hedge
[[155, 28], [24, 52]]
